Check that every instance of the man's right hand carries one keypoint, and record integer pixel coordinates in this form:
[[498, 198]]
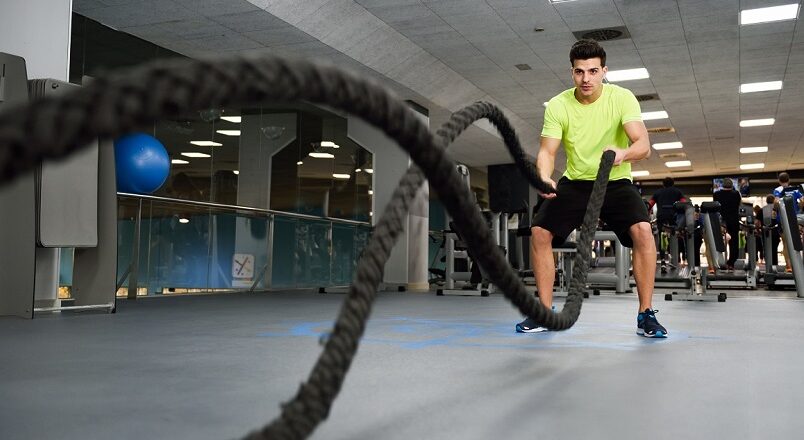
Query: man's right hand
[[552, 185]]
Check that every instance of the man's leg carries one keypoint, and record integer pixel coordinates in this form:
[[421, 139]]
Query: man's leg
[[544, 270], [644, 262], [644, 273], [775, 239], [544, 266], [696, 253], [734, 244]]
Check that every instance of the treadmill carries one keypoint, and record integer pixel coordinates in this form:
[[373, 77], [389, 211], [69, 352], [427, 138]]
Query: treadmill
[[794, 246], [457, 282], [689, 278], [745, 270]]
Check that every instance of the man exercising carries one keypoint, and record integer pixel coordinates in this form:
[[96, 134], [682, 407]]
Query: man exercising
[[589, 119], [666, 216]]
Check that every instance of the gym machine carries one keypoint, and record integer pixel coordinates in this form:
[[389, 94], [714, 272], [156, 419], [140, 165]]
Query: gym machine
[[692, 277], [610, 273], [71, 203], [794, 246], [458, 282], [745, 270]]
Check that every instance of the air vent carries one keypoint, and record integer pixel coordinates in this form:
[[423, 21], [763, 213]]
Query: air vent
[[522, 66], [673, 156], [724, 138], [605, 34], [648, 97], [662, 130]]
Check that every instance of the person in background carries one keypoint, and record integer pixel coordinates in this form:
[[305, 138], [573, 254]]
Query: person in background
[[786, 189], [697, 238], [770, 220], [666, 215], [730, 201], [745, 187], [760, 251]]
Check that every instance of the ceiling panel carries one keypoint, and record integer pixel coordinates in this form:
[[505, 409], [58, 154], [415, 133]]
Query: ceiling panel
[[449, 53]]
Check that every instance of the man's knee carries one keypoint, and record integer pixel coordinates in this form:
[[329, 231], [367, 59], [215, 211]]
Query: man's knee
[[641, 233], [541, 236]]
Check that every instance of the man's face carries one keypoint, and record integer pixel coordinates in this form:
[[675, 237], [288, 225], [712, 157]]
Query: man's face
[[588, 76]]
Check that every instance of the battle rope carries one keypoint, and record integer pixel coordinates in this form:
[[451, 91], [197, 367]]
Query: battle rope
[[108, 107]]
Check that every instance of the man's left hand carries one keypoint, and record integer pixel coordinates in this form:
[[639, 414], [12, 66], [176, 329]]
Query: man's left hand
[[619, 154]]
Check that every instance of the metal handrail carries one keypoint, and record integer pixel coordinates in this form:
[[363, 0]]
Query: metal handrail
[[132, 272], [240, 208]]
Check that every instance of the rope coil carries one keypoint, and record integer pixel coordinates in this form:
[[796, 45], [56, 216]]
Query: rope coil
[[55, 127]]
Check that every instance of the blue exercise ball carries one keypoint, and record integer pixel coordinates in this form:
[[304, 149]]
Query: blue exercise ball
[[141, 162]]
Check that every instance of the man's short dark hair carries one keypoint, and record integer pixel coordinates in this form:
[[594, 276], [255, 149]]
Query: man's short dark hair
[[784, 178], [668, 182], [770, 198], [727, 183], [586, 49]]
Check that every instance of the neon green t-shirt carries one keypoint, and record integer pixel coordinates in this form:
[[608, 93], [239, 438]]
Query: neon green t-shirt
[[586, 129]]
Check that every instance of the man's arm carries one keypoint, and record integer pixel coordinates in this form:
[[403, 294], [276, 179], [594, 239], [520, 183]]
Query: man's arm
[[546, 161], [640, 144]]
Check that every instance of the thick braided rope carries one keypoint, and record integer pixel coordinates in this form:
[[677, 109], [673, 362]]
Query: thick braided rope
[[54, 127]]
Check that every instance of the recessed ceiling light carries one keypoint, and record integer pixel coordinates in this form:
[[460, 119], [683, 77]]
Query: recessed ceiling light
[[749, 150], [752, 166], [194, 154], [371, 192], [321, 155], [545, 104], [678, 163], [329, 144], [340, 176], [235, 119], [179, 162], [236, 172], [757, 122], [368, 170], [766, 15], [640, 173], [184, 220], [299, 163], [229, 132], [760, 86], [561, 1], [206, 143], [357, 170], [627, 74], [649, 116], [667, 145]]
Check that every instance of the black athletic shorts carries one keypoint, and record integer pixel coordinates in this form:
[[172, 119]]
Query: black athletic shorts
[[622, 208]]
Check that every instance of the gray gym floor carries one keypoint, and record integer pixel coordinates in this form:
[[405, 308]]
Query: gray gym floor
[[217, 366]]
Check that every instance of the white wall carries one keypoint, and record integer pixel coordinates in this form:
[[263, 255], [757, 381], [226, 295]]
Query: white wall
[[39, 31]]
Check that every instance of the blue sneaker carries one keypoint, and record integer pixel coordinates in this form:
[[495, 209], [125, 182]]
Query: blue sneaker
[[648, 326], [530, 326]]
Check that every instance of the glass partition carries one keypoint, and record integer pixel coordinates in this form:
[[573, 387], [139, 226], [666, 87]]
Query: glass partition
[[186, 247], [217, 222]]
